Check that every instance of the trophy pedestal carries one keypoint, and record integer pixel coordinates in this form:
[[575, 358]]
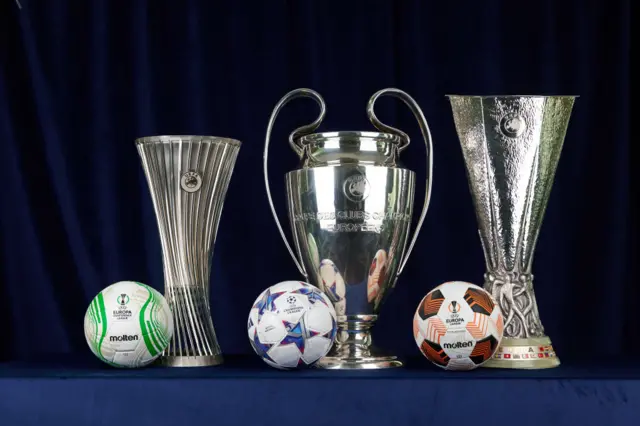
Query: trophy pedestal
[[353, 350], [533, 353], [191, 361]]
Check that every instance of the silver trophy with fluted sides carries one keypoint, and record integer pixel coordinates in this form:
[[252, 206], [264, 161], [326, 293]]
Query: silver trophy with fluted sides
[[511, 147], [350, 205], [188, 177]]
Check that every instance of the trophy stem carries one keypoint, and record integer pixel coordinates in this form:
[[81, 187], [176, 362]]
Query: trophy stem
[[354, 347]]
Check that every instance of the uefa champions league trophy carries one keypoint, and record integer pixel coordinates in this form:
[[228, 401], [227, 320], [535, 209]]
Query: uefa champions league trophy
[[511, 147], [188, 177], [350, 208]]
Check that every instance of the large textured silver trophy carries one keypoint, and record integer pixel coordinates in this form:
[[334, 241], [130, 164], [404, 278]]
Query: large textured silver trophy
[[511, 147], [188, 177], [350, 208]]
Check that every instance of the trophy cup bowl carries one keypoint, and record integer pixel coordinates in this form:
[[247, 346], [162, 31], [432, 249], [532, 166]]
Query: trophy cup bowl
[[511, 147], [188, 177], [350, 206]]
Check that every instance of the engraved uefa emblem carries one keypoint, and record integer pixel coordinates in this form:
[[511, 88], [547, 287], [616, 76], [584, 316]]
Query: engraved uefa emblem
[[356, 187], [512, 125], [191, 181]]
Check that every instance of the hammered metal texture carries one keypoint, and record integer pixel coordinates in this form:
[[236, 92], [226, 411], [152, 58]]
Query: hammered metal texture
[[188, 177], [511, 147]]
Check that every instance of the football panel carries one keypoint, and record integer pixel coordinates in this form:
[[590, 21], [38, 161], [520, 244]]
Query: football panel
[[434, 353], [92, 329], [319, 319], [98, 328], [126, 359], [163, 317], [144, 357], [124, 336], [273, 364], [479, 301], [483, 350], [462, 364], [453, 290], [478, 328], [271, 328], [251, 330], [431, 304], [160, 322], [433, 329], [286, 286], [259, 347], [153, 333], [315, 348], [285, 355], [458, 344], [253, 316]]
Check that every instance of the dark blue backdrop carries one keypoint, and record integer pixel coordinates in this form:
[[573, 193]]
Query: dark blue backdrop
[[79, 81]]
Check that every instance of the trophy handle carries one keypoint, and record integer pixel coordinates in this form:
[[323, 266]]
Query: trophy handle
[[426, 134], [297, 93]]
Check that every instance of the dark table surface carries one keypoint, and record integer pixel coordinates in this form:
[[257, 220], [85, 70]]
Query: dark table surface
[[246, 366]]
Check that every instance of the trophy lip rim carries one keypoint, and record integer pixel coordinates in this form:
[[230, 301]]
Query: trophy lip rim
[[168, 138], [315, 137], [453, 95]]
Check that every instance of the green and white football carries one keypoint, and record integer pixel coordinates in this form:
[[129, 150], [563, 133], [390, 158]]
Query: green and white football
[[128, 324]]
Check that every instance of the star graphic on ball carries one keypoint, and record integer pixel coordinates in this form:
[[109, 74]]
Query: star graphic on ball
[[266, 302]]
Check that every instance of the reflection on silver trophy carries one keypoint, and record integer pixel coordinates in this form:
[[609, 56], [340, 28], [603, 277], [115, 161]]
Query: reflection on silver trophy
[[350, 208], [511, 147], [188, 177]]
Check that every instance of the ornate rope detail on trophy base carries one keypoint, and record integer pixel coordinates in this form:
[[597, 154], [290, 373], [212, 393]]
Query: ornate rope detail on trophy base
[[514, 293], [524, 345], [353, 349]]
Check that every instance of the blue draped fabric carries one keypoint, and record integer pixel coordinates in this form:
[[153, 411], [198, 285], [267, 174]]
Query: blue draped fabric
[[79, 81]]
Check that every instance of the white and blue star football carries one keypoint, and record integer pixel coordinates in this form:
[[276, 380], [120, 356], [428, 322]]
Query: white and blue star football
[[292, 324]]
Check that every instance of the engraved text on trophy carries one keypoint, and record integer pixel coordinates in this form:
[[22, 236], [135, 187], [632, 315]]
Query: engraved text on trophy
[[375, 221]]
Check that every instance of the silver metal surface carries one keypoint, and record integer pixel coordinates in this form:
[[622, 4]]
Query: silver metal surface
[[350, 206], [511, 147], [188, 177]]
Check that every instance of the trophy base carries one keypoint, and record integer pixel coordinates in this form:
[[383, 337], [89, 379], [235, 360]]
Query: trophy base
[[191, 361], [359, 363], [525, 354], [353, 349]]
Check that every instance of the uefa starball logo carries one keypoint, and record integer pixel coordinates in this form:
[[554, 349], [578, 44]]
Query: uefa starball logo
[[191, 181], [356, 188]]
